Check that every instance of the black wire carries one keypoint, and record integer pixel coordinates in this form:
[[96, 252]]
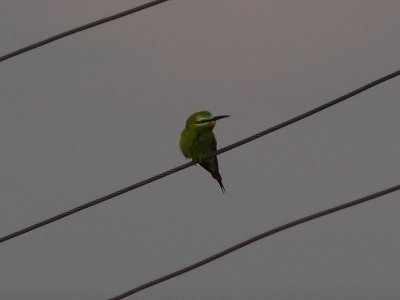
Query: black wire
[[81, 28], [255, 239], [308, 113], [94, 202], [186, 165]]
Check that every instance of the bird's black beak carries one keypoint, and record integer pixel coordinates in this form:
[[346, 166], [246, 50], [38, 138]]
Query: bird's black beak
[[219, 117]]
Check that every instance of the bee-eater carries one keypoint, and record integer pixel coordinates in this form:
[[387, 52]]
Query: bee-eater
[[198, 140]]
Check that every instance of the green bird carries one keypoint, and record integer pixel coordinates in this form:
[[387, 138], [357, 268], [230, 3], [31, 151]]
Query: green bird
[[198, 140]]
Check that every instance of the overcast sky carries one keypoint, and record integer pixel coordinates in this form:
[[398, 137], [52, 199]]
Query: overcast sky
[[103, 109]]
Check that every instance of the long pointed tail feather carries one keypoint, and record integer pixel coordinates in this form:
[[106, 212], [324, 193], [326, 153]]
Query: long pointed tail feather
[[215, 174], [218, 178]]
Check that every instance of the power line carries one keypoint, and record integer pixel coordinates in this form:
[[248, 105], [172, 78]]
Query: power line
[[255, 239], [81, 28], [188, 164]]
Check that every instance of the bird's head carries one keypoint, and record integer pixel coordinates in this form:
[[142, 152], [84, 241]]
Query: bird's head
[[203, 120]]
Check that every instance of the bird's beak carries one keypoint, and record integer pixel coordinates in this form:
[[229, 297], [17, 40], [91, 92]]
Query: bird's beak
[[219, 117]]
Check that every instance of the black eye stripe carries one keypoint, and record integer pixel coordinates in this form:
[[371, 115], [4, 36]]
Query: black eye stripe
[[202, 121]]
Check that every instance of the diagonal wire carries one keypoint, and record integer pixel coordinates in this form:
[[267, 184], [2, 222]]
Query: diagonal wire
[[81, 28], [188, 164], [255, 239]]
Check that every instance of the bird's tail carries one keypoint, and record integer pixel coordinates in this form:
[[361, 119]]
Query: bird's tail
[[215, 174], [218, 178]]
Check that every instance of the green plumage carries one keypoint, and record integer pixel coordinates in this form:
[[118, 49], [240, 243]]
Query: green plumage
[[198, 140]]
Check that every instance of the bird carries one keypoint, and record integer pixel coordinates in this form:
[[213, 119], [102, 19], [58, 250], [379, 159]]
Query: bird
[[198, 140]]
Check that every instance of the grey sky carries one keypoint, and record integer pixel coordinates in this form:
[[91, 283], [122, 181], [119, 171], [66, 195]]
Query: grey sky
[[100, 110]]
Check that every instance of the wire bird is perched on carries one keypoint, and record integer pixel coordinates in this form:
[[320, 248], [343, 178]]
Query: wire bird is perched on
[[198, 140]]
